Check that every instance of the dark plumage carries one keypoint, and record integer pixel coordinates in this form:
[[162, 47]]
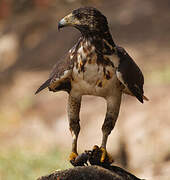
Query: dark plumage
[[94, 66], [131, 74], [58, 80]]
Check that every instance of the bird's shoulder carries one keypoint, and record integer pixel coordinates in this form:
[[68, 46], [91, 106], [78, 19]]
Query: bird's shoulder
[[65, 64]]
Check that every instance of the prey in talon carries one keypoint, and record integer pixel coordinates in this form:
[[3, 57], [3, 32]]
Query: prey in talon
[[100, 157], [82, 159], [95, 66]]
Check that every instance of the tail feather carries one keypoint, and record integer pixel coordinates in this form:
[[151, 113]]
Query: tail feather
[[126, 91], [145, 98], [43, 86]]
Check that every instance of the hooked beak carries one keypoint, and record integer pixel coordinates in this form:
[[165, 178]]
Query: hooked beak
[[68, 20], [62, 24]]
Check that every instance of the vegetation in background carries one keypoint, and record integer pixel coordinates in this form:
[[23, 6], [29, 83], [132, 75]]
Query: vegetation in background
[[18, 164]]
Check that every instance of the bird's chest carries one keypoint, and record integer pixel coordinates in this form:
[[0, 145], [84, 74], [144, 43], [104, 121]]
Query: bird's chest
[[90, 75]]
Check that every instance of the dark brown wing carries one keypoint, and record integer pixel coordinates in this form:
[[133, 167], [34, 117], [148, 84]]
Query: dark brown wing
[[59, 78], [129, 74]]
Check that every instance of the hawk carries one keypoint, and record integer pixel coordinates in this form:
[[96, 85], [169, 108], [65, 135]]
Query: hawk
[[94, 66]]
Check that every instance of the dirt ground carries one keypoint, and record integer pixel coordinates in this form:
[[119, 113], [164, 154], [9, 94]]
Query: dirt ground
[[30, 45]]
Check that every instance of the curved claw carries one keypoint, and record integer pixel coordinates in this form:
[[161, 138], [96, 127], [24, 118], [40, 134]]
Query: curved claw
[[105, 156], [104, 153], [100, 157], [72, 157]]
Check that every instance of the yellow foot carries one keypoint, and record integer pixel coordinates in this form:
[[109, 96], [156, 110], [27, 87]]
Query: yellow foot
[[105, 155], [100, 157], [73, 156]]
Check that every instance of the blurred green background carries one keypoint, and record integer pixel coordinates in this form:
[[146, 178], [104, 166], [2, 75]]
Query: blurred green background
[[34, 133]]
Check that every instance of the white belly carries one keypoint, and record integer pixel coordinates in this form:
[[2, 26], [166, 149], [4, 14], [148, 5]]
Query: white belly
[[93, 81]]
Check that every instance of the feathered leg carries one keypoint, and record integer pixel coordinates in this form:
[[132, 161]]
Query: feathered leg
[[73, 116], [113, 106]]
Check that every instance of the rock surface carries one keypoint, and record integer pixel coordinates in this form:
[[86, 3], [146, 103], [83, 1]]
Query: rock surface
[[90, 173]]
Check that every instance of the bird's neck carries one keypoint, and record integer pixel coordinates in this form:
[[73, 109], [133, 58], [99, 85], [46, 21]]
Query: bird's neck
[[103, 42]]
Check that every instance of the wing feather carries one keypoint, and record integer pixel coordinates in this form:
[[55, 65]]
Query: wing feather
[[129, 74], [60, 76], [43, 86]]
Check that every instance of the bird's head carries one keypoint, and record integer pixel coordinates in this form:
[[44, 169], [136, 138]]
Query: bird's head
[[88, 20]]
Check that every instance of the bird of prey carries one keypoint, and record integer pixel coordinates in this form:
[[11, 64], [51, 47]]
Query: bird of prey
[[94, 66]]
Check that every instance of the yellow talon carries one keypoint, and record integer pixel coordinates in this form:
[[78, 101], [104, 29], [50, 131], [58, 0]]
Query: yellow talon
[[103, 154], [73, 156], [104, 157], [95, 147]]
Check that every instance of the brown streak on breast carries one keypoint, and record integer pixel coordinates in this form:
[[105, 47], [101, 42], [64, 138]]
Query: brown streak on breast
[[104, 71], [100, 84], [89, 60], [85, 50], [108, 75], [89, 48]]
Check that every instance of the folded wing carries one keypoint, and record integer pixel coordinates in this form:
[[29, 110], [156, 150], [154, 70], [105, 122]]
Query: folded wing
[[130, 75], [59, 78]]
